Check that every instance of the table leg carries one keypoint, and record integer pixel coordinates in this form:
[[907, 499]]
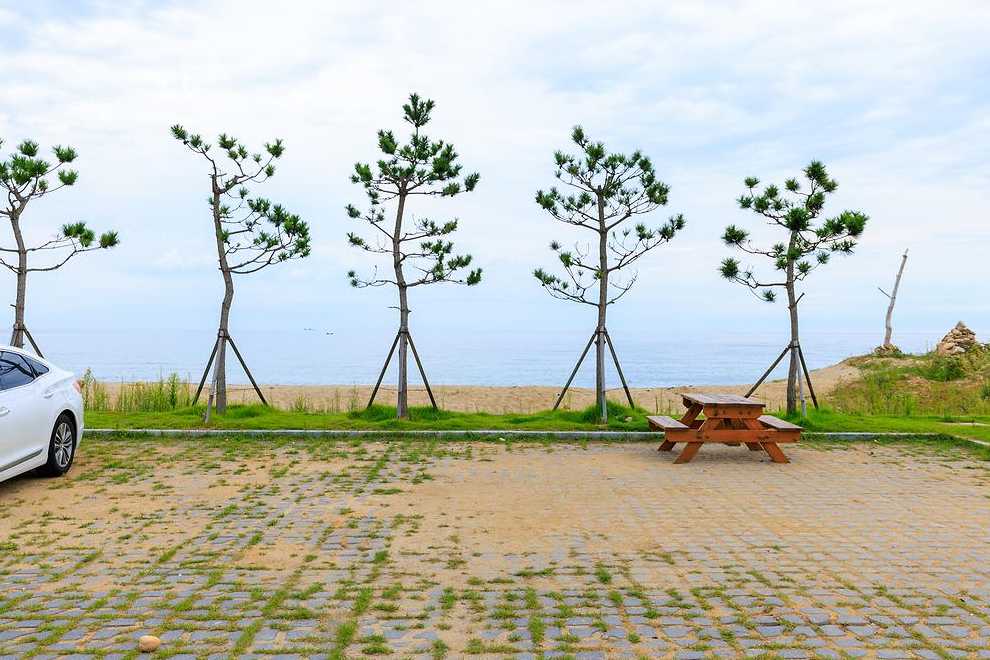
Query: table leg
[[689, 451], [692, 414], [754, 425], [666, 446], [776, 455]]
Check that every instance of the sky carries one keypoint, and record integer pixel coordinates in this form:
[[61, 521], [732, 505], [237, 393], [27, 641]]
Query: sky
[[892, 96]]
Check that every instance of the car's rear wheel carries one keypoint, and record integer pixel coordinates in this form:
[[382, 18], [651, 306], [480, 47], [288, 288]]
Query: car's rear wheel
[[62, 447]]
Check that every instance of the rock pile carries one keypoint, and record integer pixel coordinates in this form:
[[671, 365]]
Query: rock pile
[[958, 340]]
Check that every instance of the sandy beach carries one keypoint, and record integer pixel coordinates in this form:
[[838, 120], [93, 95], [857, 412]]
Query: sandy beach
[[514, 399]]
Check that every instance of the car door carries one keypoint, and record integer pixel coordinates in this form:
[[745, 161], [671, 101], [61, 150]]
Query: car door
[[23, 420]]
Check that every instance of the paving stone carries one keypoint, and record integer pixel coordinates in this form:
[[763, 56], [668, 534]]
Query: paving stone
[[765, 573]]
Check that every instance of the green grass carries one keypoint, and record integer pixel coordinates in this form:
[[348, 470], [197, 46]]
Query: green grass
[[941, 428], [167, 393], [908, 385], [945, 398], [258, 417]]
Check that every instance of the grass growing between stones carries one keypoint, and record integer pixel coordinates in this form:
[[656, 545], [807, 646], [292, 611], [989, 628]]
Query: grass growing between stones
[[236, 545]]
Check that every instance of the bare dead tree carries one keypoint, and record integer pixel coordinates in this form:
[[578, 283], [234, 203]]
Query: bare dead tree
[[892, 297], [251, 234], [24, 176], [605, 191]]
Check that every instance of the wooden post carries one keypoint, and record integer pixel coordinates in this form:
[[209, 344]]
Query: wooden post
[[422, 372], [378, 384], [576, 367], [622, 378], [212, 395]]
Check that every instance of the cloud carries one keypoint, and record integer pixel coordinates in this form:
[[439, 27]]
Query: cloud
[[713, 91]]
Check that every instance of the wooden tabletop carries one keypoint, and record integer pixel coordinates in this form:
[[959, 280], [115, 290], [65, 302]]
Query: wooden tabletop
[[703, 399]]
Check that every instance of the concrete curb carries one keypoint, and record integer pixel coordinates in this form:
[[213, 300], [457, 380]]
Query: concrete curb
[[387, 433], [639, 436]]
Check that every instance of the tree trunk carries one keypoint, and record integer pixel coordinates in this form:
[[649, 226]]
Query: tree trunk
[[17, 334], [602, 308], [794, 363], [402, 398], [220, 365], [889, 321]]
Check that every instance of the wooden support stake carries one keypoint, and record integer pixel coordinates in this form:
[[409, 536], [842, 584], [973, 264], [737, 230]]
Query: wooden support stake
[[246, 370], [622, 378], [767, 372], [422, 372], [206, 372], [31, 339], [378, 384], [807, 377], [576, 367]]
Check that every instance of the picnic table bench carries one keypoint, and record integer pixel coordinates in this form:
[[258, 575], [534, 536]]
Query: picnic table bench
[[729, 419]]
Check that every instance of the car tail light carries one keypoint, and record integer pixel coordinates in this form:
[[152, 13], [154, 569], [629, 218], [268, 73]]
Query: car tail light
[[76, 385]]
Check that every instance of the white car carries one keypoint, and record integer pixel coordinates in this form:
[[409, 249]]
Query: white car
[[41, 415]]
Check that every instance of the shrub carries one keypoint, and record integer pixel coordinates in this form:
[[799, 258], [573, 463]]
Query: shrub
[[942, 368]]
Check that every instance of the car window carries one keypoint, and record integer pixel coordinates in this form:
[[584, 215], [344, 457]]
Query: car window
[[14, 371], [39, 369]]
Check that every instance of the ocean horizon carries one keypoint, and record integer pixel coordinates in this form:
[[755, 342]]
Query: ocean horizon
[[524, 357]]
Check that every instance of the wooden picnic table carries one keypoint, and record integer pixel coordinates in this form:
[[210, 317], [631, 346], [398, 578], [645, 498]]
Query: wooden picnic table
[[729, 419]]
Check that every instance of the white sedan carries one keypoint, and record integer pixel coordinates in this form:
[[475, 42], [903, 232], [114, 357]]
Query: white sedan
[[41, 415]]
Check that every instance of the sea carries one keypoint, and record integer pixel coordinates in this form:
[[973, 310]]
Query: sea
[[523, 357]]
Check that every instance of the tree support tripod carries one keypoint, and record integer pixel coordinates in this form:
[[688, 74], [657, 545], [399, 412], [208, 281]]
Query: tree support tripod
[[615, 359]]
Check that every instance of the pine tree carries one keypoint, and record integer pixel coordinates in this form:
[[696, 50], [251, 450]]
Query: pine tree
[[251, 233], [25, 177], [420, 167], [810, 241], [606, 190]]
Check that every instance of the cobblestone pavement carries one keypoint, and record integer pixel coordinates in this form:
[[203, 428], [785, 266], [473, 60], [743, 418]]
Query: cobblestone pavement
[[301, 548]]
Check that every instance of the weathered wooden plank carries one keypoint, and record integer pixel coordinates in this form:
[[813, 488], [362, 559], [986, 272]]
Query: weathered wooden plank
[[704, 398], [662, 422], [779, 424], [732, 411]]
